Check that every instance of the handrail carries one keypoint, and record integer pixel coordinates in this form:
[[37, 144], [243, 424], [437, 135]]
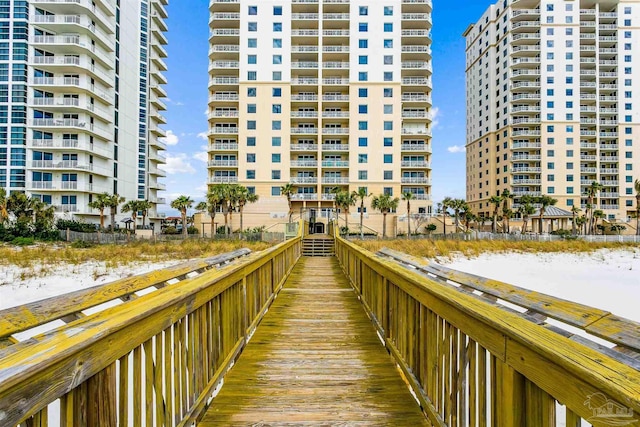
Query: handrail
[[178, 341], [459, 351], [68, 307]]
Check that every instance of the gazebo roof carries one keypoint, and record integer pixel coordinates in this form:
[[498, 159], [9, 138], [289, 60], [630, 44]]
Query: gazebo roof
[[553, 212]]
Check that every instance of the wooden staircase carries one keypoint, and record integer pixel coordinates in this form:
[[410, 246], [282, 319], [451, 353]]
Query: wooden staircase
[[318, 245]]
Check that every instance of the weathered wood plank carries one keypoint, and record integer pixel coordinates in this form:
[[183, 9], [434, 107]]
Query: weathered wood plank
[[315, 358]]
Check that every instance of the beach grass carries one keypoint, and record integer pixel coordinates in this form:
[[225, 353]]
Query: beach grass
[[449, 248], [122, 254]]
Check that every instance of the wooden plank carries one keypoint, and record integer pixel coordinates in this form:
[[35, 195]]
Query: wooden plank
[[541, 408], [315, 358], [137, 387], [27, 316], [123, 398]]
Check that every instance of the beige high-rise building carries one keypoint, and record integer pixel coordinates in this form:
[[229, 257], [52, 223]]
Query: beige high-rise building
[[320, 94], [553, 103]]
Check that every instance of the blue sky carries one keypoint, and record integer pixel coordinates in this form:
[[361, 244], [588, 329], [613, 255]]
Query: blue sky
[[188, 80]]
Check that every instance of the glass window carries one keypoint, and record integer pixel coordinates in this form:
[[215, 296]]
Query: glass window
[[363, 174], [388, 59], [388, 43], [363, 158], [252, 75], [253, 10], [388, 92], [363, 92], [363, 76], [277, 59], [276, 141], [251, 174], [277, 43], [388, 158], [252, 59], [277, 27], [388, 76], [363, 142], [276, 92], [253, 26], [276, 125], [251, 92], [363, 27], [251, 124], [277, 75], [363, 109], [275, 191], [388, 109], [277, 10], [363, 125], [252, 42], [275, 174], [388, 10], [363, 59], [363, 43], [388, 125], [363, 10], [388, 27], [251, 157], [388, 175], [275, 158], [251, 108], [388, 142], [251, 141]]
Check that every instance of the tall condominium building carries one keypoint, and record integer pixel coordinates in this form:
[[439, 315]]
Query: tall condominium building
[[80, 95], [553, 102], [321, 94]]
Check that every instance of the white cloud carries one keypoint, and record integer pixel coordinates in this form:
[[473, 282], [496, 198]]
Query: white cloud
[[203, 156], [203, 135], [456, 149], [171, 138], [435, 114], [179, 104], [178, 164]]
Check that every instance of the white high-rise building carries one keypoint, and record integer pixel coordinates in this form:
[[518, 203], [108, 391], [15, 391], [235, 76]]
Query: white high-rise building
[[80, 95], [553, 103], [323, 95]]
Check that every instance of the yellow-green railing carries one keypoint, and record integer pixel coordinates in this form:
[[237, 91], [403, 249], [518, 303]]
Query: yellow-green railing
[[155, 360], [471, 362]]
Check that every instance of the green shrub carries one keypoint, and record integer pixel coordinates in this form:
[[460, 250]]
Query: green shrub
[[170, 230], [82, 244], [22, 241], [192, 230], [78, 226]]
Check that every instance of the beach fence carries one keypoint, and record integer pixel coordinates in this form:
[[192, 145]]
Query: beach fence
[[122, 238]]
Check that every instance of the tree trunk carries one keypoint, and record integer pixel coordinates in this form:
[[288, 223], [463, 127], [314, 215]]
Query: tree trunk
[[213, 225], [241, 208], [184, 224], [226, 223], [408, 220], [573, 224], [525, 220], [361, 219], [346, 219], [113, 220], [102, 219], [384, 225]]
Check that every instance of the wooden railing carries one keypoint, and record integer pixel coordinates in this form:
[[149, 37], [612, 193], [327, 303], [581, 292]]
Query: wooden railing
[[478, 352], [154, 360]]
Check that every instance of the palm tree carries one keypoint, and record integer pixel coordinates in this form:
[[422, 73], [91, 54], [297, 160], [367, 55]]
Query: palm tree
[[597, 215], [385, 204], [132, 206], [408, 196], [581, 221], [288, 190], [4, 213], [496, 201], [222, 192], [544, 202], [182, 203], [506, 196], [592, 193], [113, 201], [575, 211], [468, 216], [362, 194], [234, 199], [101, 202], [244, 197], [344, 200], [457, 205], [144, 206], [210, 205], [636, 186], [446, 204], [526, 209]]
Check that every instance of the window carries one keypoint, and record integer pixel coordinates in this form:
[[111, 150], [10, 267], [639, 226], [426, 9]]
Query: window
[[388, 44], [550, 128], [388, 60], [388, 11], [276, 75], [551, 178], [387, 175], [388, 27], [389, 192], [551, 190], [277, 10], [363, 43], [363, 109], [252, 59], [276, 92], [570, 165], [388, 76], [363, 158], [253, 26], [276, 125], [277, 27], [363, 10], [363, 142], [363, 125], [251, 108], [277, 43], [252, 42], [388, 125], [388, 109], [251, 92], [569, 190], [363, 175], [363, 76], [251, 141], [363, 92], [388, 92], [275, 174], [252, 75], [253, 10], [277, 59], [275, 191], [388, 158], [569, 178], [569, 153], [551, 165], [388, 142], [251, 174], [276, 108], [251, 157], [275, 158], [251, 124], [550, 153], [276, 141], [363, 27], [363, 59]]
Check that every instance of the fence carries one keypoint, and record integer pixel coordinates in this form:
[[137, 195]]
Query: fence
[[474, 362], [120, 238], [155, 359]]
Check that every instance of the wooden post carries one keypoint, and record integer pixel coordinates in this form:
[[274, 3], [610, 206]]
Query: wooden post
[[509, 396], [68, 234], [101, 398]]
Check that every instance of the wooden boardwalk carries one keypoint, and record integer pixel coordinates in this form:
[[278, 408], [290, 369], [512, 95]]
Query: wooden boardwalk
[[315, 360]]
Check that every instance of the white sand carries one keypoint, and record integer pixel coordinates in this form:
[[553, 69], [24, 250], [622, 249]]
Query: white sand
[[609, 280]]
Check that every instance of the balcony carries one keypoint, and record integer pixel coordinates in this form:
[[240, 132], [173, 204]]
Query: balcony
[[304, 65], [304, 147], [224, 97], [223, 163], [335, 180], [304, 131], [223, 147], [61, 186], [335, 114], [526, 182], [414, 147], [304, 114], [304, 180], [335, 147], [526, 169], [415, 164], [223, 179], [333, 81], [304, 196], [415, 180], [223, 114], [335, 131], [328, 98], [304, 97], [304, 163], [70, 145], [218, 130], [416, 98], [335, 163], [416, 131], [304, 81]]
